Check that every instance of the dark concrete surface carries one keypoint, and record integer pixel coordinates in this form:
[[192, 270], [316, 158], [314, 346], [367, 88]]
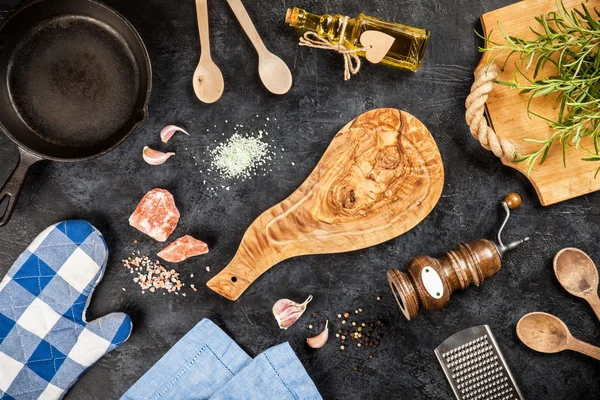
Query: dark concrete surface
[[106, 190]]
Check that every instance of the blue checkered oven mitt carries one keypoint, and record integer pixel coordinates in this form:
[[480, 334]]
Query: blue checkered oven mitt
[[45, 341]]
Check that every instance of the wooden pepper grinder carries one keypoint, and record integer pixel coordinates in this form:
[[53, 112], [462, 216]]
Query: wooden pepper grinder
[[429, 281]]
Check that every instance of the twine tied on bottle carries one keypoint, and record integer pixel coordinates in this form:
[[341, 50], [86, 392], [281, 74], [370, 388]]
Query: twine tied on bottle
[[351, 59]]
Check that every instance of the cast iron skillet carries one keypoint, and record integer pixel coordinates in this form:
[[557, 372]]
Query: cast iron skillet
[[75, 80]]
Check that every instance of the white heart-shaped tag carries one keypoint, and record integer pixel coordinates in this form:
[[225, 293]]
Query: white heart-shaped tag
[[376, 44]]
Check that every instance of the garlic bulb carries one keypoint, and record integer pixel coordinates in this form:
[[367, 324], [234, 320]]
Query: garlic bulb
[[287, 312], [316, 342]]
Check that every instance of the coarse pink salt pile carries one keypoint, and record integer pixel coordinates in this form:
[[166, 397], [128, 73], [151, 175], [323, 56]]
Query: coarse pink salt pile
[[152, 276]]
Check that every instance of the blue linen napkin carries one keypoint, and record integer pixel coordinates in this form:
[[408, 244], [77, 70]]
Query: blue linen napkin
[[45, 341], [208, 364]]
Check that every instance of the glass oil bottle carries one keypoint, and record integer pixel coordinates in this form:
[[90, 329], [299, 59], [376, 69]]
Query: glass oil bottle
[[406, 52]]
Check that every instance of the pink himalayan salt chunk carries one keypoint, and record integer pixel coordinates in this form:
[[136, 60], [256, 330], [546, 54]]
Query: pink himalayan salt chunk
[[156, 215], [182, 249]]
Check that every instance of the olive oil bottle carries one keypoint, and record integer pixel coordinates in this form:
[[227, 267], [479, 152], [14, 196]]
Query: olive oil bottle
[[404, 46]]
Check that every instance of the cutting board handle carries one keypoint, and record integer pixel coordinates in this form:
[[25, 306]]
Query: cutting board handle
[[254, 257], [485, 77], [232, 281]]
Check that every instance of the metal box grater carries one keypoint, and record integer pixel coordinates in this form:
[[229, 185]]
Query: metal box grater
[[475, 367]]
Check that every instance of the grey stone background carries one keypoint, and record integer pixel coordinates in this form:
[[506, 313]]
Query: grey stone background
[[105, 191]]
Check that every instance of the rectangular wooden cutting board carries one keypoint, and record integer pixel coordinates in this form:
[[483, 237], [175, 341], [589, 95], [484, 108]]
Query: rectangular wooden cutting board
[[507, 109]]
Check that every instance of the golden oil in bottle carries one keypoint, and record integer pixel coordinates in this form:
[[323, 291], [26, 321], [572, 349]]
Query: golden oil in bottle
[[405, 52]]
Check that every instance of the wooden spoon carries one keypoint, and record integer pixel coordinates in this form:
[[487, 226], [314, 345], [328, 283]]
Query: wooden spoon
[[578, 274], [208, 79], [274, 73], [548, 334], [381, 175]]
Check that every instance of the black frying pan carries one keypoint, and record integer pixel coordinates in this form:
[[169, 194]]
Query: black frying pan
[[75, 81]]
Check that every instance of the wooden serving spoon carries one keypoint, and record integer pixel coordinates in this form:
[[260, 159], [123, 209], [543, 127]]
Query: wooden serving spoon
[[548, 334], [578, 274], [274, 73], [208, 79], [381, 175]]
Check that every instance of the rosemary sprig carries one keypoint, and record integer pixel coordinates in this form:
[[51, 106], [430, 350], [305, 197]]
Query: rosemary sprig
[[570, 41]]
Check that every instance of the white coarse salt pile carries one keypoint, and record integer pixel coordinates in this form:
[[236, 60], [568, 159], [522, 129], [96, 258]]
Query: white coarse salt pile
[[240, 156], [152, 276], [247, 154]]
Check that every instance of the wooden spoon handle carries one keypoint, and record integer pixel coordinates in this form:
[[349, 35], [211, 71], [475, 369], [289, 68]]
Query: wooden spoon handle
[[594, 301], [242, 15], [202, 11], [585, 348]]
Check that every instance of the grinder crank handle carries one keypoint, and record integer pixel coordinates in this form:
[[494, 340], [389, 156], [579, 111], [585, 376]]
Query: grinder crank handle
[[429, 282]]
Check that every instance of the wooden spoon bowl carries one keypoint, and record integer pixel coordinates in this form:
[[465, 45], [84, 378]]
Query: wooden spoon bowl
[[578, 274], [548, 334], [274, 73], [208, 80], [543, 332]]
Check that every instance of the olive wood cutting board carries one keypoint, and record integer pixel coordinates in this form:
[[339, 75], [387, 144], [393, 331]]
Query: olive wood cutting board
[[507, 109], [380, 176]]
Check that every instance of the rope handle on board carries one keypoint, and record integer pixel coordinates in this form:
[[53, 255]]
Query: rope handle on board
[[485, 76]]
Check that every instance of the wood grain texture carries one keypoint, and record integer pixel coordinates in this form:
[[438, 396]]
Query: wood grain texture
[[470, 264], [208, 80], [381, 175], [507, 109], [548, 334], [274, 72], [578, 274]]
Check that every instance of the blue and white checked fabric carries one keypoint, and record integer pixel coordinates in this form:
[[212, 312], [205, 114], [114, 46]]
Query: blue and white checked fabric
[[45, 341], [208, 364]]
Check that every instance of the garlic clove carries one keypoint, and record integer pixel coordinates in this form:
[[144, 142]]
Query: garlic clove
[[168, 132], [287, 312], [155, 157], [316, 342]]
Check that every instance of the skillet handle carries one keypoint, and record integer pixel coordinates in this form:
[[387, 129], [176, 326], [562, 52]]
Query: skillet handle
[[4, 13], [12, 187]]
